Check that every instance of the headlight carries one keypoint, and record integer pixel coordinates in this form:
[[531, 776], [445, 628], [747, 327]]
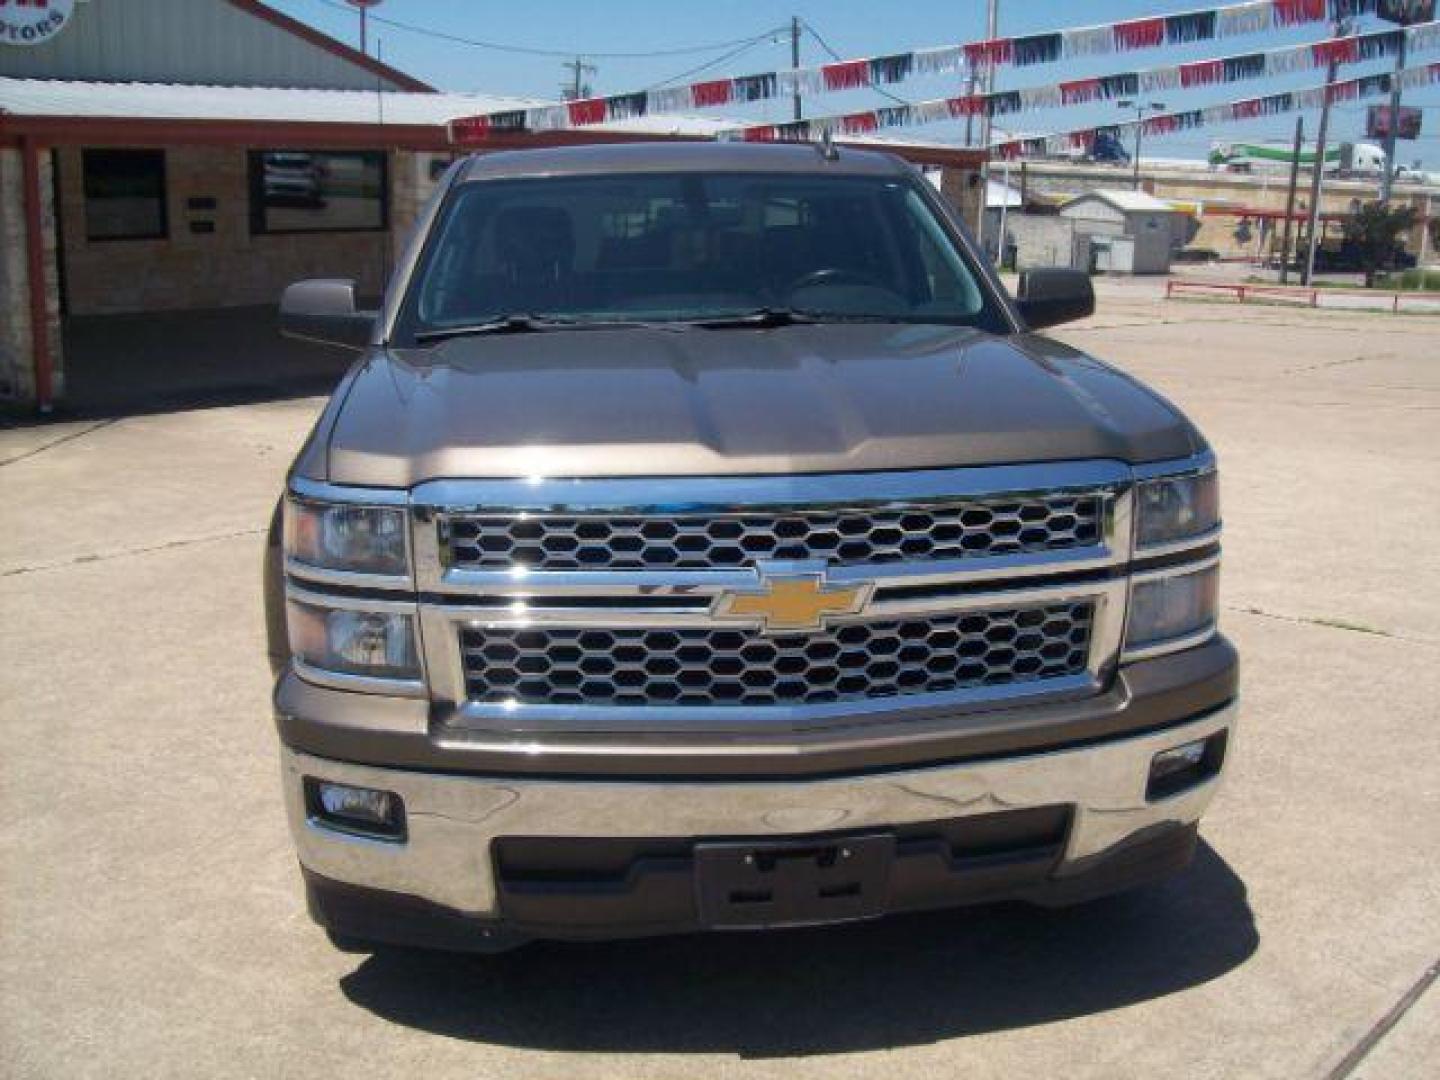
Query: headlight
[[338, 536], [1176, 508], [350, 641], [1173, 608]]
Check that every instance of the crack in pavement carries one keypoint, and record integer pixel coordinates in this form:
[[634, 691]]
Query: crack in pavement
[[61, 441], [86, 560], [1385, 1024], [1328, 623], [1333, 363]]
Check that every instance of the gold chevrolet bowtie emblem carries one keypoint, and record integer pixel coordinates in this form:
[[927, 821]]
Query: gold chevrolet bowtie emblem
[[799, 601]]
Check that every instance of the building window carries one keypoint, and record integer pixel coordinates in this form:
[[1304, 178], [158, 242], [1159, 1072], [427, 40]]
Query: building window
[[124, 194], [318, 191]]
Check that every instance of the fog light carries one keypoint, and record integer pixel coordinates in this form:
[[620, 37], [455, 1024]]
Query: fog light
[[1173, 771], [359, 810]]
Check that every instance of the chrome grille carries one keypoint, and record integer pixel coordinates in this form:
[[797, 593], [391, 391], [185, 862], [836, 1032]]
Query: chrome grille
[[842, 537], [703, 666]]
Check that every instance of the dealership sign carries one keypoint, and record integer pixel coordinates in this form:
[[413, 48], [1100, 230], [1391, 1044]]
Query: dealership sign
[[32, 22], [1377, 123]]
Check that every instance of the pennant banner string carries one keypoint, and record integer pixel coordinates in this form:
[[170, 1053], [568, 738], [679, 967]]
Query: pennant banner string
[[1228, 20], [1365, 86], [1229, 69]]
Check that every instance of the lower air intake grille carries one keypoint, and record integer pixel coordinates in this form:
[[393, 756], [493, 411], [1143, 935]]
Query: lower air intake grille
[[708, 666]]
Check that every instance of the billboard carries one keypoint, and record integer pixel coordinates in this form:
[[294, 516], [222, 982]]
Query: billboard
[[1406, 12], [1377, 122]]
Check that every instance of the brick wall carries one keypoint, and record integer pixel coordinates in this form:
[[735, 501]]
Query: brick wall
[[413, 181], [17, 367], [227, 267]]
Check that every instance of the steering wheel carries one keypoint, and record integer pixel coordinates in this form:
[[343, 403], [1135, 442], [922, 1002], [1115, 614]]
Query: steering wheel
[[833, 275]]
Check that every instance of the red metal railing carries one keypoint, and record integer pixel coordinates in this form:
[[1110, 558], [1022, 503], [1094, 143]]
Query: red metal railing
[[1310, 297]]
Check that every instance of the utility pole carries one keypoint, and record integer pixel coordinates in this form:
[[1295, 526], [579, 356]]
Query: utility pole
[[1392, 131], [1341, 28], [1290, 199], [1140, 107], [970, 116], [992, 31], [795, 58], [574, 88]]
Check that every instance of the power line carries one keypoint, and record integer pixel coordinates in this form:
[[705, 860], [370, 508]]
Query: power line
[[744, 48], [479, 43], [836, 56]]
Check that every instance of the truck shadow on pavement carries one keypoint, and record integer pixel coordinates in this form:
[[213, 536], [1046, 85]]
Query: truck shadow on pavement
[[904, 981]]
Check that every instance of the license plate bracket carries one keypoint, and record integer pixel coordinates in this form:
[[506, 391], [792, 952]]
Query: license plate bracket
[[760, 883]]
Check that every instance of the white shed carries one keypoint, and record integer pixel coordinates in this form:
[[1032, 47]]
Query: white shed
[[1150, 227]]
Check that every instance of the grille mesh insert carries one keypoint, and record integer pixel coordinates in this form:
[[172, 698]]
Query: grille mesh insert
[[706, 666], [973, 528]]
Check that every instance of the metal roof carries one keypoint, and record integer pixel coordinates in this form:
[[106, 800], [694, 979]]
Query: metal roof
[[94, 113], [998, 194], [1128, 202], [171, 101], [214, 42]]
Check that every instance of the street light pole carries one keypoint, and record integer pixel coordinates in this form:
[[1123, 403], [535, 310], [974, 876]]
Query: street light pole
[[992, 30], [1393, 131], [1140, 108], [795, 59]]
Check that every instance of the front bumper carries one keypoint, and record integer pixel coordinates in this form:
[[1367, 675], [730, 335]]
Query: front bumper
[[445, 871]]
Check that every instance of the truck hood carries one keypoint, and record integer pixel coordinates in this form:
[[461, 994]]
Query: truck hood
[[687, 402]]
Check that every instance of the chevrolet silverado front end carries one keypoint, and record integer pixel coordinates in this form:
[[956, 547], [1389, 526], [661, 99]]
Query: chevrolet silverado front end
[[705, 541]]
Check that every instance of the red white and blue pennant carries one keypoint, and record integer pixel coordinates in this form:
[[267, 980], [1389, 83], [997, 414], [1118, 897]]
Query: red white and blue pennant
[[1223, 21]]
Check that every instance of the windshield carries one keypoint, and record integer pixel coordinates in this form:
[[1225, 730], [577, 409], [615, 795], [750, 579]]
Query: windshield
[[685, 248]]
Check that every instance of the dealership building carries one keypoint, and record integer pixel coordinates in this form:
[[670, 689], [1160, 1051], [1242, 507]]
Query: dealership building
[[164, 157]]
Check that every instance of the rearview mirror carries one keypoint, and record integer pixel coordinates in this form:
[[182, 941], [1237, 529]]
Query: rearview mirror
[[323, 310], [1053, 296]]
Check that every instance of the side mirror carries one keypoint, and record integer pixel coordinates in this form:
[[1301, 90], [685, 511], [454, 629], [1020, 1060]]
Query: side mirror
[[1051, 297], [323, 310]]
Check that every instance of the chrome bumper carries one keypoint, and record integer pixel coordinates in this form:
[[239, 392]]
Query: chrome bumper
[[452, 819]]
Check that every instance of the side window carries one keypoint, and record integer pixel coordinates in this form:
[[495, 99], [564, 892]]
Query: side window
[[124, 194]]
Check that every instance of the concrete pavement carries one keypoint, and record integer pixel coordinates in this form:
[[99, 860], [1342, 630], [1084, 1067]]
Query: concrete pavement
[[150, 913]]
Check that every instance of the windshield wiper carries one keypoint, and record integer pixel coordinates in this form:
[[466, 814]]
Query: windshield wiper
[[523, 323], [781, 316], [760, 317], [517, 323]]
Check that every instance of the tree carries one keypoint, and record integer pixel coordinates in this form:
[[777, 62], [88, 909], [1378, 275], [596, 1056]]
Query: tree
[[1373, 231]]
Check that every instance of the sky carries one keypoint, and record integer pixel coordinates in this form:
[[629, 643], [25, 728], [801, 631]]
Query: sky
[[751, 36]]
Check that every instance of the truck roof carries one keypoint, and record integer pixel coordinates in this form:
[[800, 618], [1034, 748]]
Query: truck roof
[[652, 157]]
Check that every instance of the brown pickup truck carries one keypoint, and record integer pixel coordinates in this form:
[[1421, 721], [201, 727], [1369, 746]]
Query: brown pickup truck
[[703, 539]]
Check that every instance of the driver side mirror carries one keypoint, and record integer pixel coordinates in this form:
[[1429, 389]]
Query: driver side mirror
[[1053, 296], [323, 310]]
